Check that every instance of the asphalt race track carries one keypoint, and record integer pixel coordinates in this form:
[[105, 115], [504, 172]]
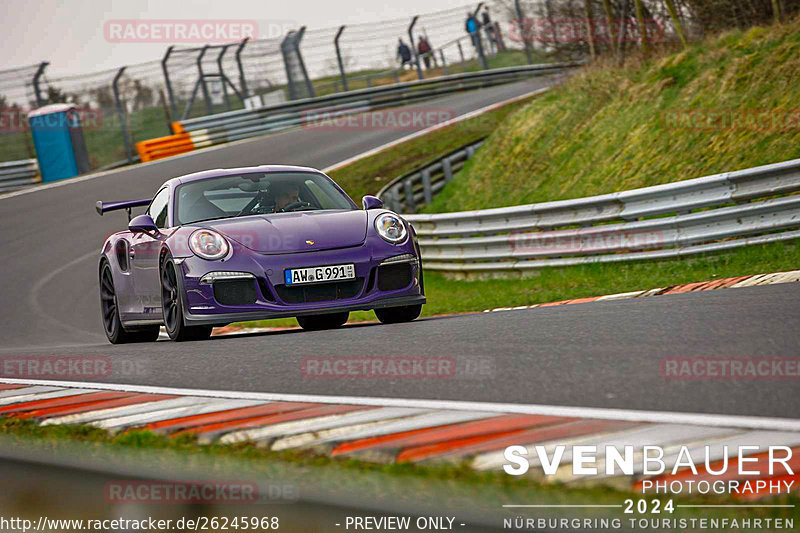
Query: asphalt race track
[[605, 354]]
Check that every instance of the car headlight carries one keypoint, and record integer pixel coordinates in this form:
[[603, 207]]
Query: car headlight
[[208, 244], [390, 228]]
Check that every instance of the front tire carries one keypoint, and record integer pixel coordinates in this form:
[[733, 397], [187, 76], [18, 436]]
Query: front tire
[[395, 315], [318, 322], [172, 306], [109, 310]]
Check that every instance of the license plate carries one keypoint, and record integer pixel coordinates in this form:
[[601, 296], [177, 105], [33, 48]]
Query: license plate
[[320, 274]]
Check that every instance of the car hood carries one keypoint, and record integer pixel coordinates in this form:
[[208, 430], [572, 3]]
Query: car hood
[[303, 231]]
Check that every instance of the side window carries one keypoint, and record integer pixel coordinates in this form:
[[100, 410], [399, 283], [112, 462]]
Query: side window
[[158, 208]]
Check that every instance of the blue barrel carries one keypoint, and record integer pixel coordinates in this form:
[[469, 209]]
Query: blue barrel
[[58, 139]]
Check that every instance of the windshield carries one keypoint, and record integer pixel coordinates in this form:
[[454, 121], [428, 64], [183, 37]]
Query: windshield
[[257, 193]]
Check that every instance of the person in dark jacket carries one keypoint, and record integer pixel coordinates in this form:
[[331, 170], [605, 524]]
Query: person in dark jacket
[[424, 49], [471, 25], [487, 23], [404, 54]]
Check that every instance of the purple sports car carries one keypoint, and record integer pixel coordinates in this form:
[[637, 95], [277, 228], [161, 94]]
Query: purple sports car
[[252, 243]]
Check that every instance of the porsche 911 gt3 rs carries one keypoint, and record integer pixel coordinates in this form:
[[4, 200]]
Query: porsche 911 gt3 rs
[[223, 246]]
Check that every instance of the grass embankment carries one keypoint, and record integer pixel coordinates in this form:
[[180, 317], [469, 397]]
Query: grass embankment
[[605, 130], [611, 129]]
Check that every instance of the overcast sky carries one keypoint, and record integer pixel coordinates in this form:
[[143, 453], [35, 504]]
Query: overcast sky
[[70, 33]]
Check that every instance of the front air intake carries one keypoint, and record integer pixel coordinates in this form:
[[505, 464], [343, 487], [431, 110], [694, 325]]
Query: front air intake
[[392, 277], [235, 291]]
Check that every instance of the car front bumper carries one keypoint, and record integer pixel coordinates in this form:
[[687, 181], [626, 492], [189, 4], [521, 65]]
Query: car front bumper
[[201, 307]]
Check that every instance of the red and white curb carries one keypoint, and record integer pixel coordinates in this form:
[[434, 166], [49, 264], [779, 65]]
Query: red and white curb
[[724, 283], [390, 430]]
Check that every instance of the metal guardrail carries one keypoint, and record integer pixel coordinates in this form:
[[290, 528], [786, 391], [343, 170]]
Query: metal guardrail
[[418, 187], [235, 125], [18, 174], [615, 227]]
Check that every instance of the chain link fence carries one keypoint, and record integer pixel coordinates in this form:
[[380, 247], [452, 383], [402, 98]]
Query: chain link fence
[[123, 106]]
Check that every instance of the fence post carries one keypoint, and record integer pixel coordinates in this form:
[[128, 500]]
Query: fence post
[[444, 62], [523, 32], [460, 51], [121, 114], [339, 56], [202, 80], [36, 88], [242, 80], [297, 38], [222, 77], [414, 47], [479, 39], [167, 83]]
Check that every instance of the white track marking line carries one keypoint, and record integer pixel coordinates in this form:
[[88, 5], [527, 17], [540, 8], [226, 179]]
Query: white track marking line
[[27, 391], [631, 415], [198, 408], [310, 426], [433, 128], [42, 396]]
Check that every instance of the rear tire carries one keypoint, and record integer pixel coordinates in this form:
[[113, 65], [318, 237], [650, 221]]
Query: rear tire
[[172, 306], [395, 315], [318, 322], [115, 331]]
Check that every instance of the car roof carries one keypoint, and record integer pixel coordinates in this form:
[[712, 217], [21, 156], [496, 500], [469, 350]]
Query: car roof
[[219, 172]]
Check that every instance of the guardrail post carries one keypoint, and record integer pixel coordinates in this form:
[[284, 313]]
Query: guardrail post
[[121, 114], [414, 47], [339, 56], [396, 77], [523, 31], [242, 80], [411, 206], [167, 83], [444, 62], [202, 80], [447, 168], [426, 186], [369, 80], [36, 88]]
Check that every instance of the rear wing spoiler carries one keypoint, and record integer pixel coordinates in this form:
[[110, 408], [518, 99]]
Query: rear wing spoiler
[[104, 207]]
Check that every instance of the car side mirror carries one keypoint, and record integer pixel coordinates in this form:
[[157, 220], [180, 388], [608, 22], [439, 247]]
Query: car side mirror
[[371, 202], [142, 223]]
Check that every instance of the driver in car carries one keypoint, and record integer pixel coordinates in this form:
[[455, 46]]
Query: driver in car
[[286, 194]]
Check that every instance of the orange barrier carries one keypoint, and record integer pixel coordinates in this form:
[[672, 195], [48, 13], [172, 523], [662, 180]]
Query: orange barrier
[[162, 147]]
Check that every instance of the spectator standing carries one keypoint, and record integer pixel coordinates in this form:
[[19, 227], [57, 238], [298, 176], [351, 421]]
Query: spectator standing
[[404, 54], [424, 49], [471, 25]]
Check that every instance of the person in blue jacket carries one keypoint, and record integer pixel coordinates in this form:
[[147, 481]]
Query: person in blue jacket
[[472, 28]]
